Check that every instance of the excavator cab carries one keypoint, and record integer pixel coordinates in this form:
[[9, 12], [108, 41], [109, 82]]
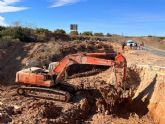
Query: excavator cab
[[52, 66]]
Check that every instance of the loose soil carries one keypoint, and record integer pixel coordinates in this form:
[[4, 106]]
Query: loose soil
[[20, 109]]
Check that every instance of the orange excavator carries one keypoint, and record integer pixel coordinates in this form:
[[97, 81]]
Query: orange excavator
[[36, 79]]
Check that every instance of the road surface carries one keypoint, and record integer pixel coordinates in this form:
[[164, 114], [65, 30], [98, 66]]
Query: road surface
[[155, 51]]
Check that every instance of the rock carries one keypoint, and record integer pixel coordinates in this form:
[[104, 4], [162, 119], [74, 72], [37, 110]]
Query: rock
[[4, 116], [17, 109], [1, 103], [84, 105]]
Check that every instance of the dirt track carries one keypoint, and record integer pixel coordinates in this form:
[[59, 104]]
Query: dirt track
[[33, 110]]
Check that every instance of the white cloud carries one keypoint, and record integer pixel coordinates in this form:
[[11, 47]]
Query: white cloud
[[59, 3], [6, 6], [2, 21], [10, 1]]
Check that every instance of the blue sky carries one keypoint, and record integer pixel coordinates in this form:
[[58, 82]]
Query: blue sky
[[128, 17]]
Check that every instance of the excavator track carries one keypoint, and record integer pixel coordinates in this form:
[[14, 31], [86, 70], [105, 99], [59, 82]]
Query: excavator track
[[45, 93]]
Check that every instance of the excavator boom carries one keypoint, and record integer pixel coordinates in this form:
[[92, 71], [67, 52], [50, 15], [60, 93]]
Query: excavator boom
[[89, 59]]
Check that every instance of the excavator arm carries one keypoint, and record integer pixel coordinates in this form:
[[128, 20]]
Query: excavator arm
[[91, 59]]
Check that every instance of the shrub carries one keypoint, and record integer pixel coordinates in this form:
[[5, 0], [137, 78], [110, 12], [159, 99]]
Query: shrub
[[23, 34], [150, 36], [108, 35], [59, 31], [87, 33], [60, 34], [162, 38], [42, 34], [74, 33], [98, 34], [6, 41], [2, 28]]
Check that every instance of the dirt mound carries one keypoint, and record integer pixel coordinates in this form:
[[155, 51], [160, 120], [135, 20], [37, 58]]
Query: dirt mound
[[18, 55], [104, 84], [132, 119], [55, 51], [11, 61], [37, 112], [32, 110]]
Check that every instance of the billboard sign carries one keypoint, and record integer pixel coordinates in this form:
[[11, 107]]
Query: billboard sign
[[74, 27]]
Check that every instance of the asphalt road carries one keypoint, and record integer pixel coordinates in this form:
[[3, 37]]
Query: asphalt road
[[155, 51]]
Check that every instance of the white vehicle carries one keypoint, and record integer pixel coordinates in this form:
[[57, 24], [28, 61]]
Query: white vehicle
[[129, 42]]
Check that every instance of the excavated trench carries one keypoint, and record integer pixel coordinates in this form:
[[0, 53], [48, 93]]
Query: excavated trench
[[148, 100], [151, 91], [147, 104]]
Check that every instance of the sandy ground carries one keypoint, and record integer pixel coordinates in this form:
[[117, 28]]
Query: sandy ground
[[142, 57], [26, 110]]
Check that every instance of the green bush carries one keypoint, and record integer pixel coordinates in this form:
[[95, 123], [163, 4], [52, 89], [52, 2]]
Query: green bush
[[98, 34], [74, 33], [2, 28], [108, 35], [42, 34], [23, 34], [150, 36], [6, 41], [87, 33], [59, 31], [60, 34], [162, 38]]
